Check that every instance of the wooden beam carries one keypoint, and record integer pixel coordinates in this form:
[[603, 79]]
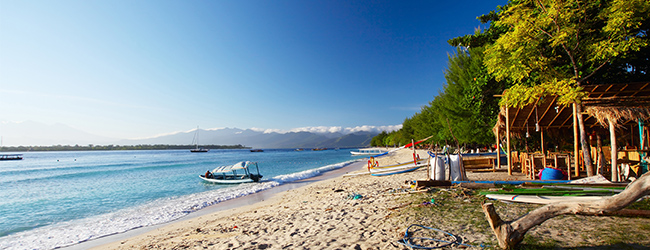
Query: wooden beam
[[547, 109], [566, 121]]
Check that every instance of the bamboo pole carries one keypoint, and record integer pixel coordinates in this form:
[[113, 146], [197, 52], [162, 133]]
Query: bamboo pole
[[543, 148], [576, 161], [508, 140], [498, 150], [541, 134]]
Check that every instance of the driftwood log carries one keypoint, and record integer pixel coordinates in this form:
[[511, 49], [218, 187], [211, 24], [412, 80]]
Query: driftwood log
[[510, 233]]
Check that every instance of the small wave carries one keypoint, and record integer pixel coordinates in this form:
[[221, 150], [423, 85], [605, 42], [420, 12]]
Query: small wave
[[309, 173], [153, 213]]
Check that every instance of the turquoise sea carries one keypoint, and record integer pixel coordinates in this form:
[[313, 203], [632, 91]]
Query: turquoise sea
[[56, 199]]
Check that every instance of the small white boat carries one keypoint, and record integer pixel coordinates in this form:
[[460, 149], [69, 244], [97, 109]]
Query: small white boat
[[543, 199], [397, 168], [234, 174], [195, 141], [368, 151]]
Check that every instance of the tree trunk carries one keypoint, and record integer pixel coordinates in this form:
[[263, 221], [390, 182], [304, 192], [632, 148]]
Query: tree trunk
[[584, 143], [613, 152], [510, 233], [601, 156]]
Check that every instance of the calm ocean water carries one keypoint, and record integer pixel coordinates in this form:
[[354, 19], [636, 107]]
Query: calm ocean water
[[55, 199]]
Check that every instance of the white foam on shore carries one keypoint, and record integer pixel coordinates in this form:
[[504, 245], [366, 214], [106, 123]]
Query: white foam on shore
[[153, 213]]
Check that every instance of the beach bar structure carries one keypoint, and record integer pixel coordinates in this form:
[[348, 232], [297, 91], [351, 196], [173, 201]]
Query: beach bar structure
[[607, 108]]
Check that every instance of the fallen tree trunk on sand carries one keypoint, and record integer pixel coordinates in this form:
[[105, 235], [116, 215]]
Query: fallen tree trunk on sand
[[510, 233]]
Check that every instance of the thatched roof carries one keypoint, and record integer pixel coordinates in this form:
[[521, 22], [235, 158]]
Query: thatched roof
[[625, 103]]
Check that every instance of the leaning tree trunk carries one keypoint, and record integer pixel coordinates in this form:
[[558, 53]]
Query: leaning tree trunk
[[601, 157], [510, 233], [584, 143]]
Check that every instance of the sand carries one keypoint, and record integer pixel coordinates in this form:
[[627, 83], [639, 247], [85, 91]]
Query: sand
[[358, 212]]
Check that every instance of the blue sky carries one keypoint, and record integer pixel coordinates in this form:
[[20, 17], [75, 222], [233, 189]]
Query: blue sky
[[127, 69]]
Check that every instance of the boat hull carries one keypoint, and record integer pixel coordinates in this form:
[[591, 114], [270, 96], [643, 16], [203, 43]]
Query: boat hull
[[232, 179], [546, 199], [394, 171], [12, 157], [397, 168]]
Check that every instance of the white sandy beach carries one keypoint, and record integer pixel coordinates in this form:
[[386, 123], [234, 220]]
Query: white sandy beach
[[325, 215]]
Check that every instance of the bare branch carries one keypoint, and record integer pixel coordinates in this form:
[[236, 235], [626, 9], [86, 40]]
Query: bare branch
[[593, 72], [509, 234]]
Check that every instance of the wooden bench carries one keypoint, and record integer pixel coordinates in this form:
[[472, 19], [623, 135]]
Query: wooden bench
[[479, 163]]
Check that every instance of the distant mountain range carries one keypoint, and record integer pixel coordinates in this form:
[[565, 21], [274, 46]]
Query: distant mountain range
[[256, 139], [38, 134]]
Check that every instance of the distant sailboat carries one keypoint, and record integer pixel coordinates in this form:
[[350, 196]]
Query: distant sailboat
[[196, 143]]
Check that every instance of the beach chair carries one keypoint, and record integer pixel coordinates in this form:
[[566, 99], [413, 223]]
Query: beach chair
[[537, 163], [563, 162], [606, 161], [524, 160], [516, 162]]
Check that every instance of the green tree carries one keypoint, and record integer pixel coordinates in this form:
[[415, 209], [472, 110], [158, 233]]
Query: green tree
[[553, 47], [469, 101], [378, 140], [466, 104]]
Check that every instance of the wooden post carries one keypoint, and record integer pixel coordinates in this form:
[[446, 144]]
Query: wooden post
[[508, 140], [612, 137], [576, 161], [498, 150], [415, 159], [541, 133]]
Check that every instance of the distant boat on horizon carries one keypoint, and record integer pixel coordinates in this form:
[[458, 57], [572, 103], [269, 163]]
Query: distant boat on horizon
[[197, 149], [11, 157]]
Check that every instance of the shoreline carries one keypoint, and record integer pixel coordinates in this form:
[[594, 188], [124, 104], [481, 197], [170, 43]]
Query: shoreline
[[324, 212], [369, 212], [225, 206]]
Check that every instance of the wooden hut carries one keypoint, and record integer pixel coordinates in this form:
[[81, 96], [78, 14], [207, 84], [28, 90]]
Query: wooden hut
[[606, 106]]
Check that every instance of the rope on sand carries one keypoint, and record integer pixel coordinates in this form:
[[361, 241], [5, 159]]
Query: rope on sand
[[407, 240]]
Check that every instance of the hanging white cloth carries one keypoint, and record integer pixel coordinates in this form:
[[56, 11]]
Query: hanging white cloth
[[454, 168], [438, 166]]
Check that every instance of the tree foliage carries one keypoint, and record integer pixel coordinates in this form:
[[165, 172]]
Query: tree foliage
[[466, 105], [555, 46], [533, 48]]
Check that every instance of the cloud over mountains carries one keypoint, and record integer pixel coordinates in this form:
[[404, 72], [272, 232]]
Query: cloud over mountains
[[31, 133]]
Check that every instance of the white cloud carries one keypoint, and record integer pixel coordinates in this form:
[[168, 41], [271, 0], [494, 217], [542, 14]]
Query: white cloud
[[333, 129], [268, 130], [376, 129]]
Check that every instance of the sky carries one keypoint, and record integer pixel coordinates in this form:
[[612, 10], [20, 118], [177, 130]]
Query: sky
[[135, 69]]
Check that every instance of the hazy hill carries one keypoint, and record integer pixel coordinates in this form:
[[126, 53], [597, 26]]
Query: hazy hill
[[256, 139], [39, 134]]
